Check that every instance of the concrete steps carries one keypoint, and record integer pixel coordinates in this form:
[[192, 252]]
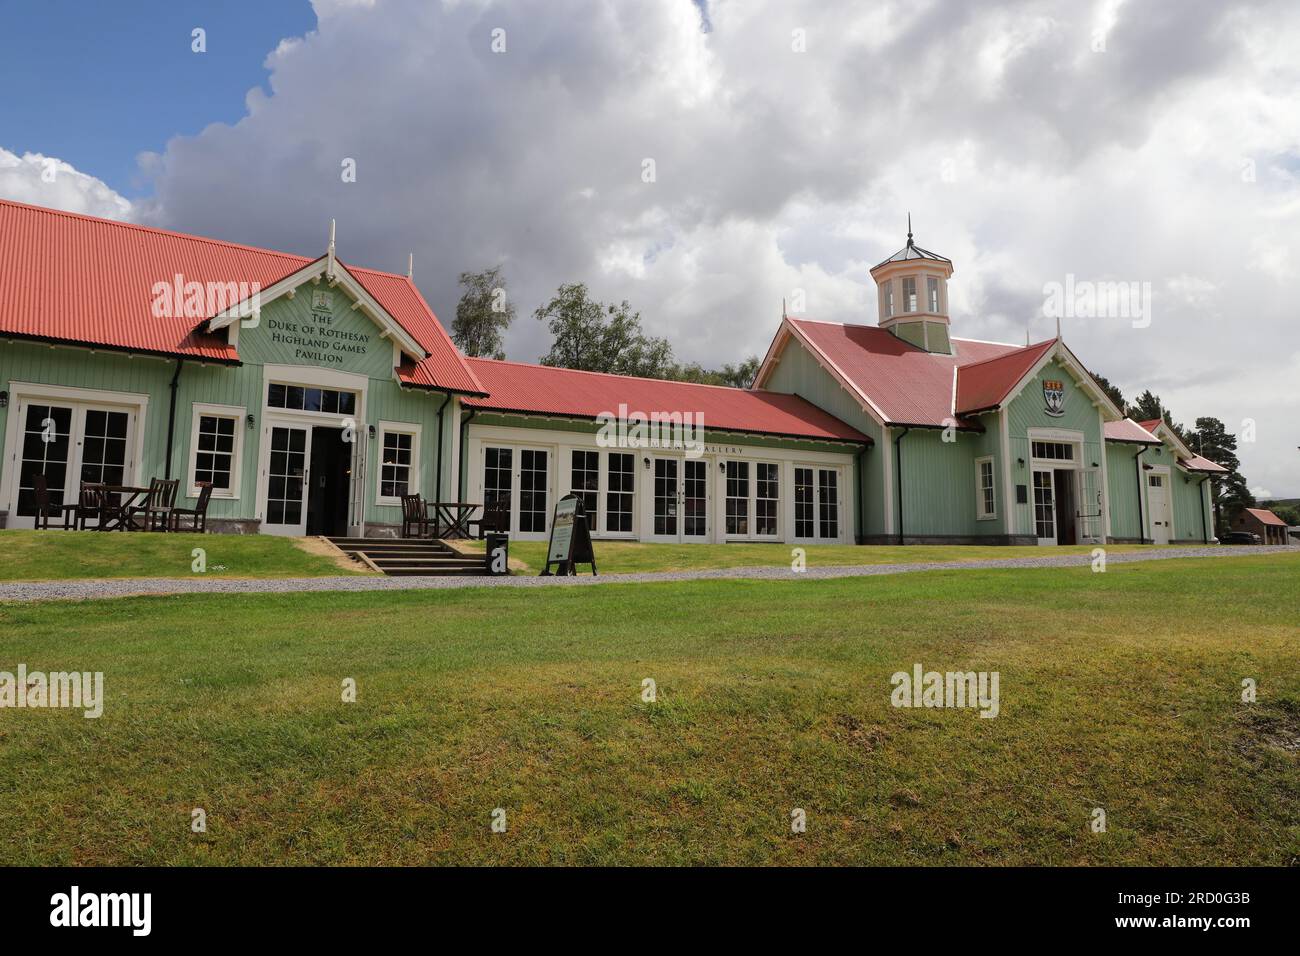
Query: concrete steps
[[409, 557]]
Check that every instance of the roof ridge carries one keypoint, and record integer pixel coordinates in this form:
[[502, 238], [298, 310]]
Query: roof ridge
[[193, 237], [637, 378], [997, 358]]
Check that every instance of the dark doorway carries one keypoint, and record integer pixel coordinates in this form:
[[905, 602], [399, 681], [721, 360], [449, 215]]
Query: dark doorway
[[327, 498], [1063, 481]]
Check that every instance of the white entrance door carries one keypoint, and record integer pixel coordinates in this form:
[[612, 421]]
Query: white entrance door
[[666, 500], [816, 504], [1158, 503], [524, 474], [289, 451], [1044, 506], [70, 444], [695, 499]]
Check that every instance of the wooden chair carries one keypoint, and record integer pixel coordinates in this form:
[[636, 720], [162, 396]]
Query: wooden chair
[[198, 515], [41, 494], [414, 516], [92, 503], [157, 507], [495, 517]]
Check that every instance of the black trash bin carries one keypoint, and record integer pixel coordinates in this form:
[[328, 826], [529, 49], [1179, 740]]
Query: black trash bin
[[497, 553]]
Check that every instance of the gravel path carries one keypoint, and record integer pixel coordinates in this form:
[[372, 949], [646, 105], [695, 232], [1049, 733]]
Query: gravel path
[[77, 590]]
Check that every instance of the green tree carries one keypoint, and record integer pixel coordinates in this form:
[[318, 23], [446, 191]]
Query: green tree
[[483, 314], [735, 376], [1112, 391], [594, 337], [1148, 406], [1230, 492]]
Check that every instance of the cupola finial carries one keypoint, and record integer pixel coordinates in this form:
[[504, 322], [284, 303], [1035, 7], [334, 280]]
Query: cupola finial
[[909, 230]]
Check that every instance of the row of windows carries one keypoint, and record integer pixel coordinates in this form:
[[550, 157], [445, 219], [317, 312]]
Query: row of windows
[[302, 398]]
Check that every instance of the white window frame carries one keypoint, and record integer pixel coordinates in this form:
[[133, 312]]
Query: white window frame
[[240, 414], [413, 486], [932, 295], [911, 306], [980, 513]]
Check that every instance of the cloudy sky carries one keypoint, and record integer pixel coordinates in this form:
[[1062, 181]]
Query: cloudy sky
[[1124, 140]]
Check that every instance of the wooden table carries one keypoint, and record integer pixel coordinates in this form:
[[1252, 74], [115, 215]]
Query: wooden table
[[453, 515], [118, 520]]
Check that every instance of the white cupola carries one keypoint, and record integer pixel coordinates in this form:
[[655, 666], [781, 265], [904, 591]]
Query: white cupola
[[912, 287]]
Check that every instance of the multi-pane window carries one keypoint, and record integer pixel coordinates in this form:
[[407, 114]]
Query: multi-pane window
[[103, 447], [46, 445], [584, 479], [302, 398], [1044, 519], [888, 302], [618, 497], [695, 498], [533, 473], [909, 294], [395, 467], [665, 496], [498, 463], [828, 516], [932, 292], [985, 502], [766, 497], [286, 473], [803, 502], [1053, 450], [737, 497], [214, 460]]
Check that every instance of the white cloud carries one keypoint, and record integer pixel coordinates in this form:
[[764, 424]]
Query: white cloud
[[1023, 154], [47, 181]]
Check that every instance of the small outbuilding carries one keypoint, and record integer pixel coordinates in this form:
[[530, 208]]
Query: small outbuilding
[[1270, 528]]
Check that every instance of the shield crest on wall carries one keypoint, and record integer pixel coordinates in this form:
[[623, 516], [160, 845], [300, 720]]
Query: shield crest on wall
[[1054, 396]]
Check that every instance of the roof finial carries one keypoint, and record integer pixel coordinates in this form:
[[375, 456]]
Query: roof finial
[[329, 267], [783, 307], [909, 230], [410, 264], [1058, 326]]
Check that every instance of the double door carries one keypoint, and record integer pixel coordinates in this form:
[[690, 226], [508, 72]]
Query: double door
[[286, 477], [70, 443], [679, 499], [524, 476]]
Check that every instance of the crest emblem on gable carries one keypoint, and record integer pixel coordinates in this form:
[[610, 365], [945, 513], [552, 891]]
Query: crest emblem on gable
[[1054, 397], [322, 300]]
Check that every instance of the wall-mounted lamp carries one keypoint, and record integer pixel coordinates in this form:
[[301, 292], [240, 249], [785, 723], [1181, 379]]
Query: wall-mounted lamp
[[1021, 461], [722, 466], [4, 399], [647, 462], [252, 422], [372, 432], [1094, 464]]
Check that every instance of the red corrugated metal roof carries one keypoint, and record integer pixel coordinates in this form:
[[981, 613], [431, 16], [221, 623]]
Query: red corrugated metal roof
[[1198, 463], [1127, 430], [1152, 424], [65, 277], [906, 384], [1266, 516], [540, 389], [984, 385]]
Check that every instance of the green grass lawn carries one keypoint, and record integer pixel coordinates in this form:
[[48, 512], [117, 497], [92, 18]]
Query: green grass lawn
[[622, 557], [1118, 690], [58, 555]]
